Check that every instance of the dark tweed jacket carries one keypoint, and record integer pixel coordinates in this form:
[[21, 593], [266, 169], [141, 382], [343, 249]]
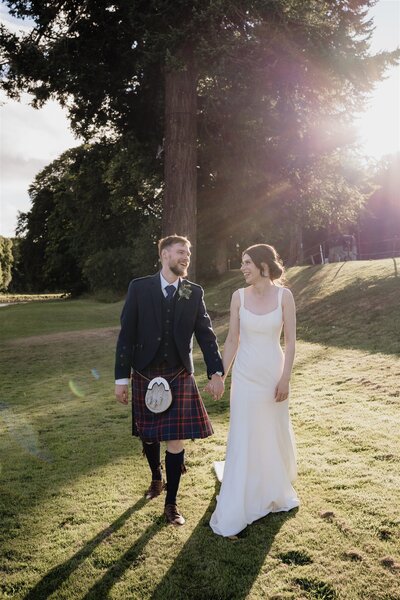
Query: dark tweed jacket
[[140, 334]]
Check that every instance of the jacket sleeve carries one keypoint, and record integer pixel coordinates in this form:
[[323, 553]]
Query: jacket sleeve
[[207, 339], [127, 335]]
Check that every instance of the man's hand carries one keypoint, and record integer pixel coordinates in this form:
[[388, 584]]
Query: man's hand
[[215, 387], [121, 393]]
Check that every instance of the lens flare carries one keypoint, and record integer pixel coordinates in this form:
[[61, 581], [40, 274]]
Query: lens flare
[[95, 373], [75, 389], [22, 432]]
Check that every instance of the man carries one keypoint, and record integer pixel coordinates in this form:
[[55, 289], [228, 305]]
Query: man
[[160, 316]]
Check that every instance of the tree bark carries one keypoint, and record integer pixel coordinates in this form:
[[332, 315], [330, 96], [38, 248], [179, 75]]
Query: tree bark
[[180, 151]]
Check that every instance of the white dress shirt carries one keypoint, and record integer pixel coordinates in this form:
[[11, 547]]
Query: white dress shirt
[[164, 283]]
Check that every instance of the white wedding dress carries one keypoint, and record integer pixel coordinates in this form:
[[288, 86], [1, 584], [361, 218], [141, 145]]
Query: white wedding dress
[[260, 461]]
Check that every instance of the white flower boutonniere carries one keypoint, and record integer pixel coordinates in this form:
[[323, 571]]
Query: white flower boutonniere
[[185, 291]]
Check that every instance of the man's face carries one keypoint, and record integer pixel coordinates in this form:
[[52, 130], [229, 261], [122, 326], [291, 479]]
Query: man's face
[[177, 258]]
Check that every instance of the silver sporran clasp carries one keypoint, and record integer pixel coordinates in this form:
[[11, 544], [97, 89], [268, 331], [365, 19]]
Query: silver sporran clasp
[[158, 396]]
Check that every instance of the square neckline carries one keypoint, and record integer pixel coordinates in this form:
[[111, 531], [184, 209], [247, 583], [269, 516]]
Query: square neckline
[[279, 305]]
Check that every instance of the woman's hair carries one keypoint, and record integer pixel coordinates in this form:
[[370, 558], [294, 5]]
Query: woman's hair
[[263, 253]]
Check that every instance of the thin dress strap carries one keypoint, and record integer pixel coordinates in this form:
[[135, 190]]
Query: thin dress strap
[[241, 296], [280, 296]]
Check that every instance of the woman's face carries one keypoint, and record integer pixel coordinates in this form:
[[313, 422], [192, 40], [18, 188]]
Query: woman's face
[[250, 271]]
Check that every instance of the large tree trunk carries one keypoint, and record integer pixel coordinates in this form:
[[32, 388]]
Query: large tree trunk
[[180, 148]]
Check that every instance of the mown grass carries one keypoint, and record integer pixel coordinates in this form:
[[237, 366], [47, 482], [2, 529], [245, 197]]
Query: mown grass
[[74, 521], [41, 318]]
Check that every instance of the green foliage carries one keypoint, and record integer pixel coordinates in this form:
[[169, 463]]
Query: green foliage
[[17, 276], [275, 126], [278, 81], [6, 262], [379, 222], [113, 268], [327, 192], [93, 199], [113, 56]]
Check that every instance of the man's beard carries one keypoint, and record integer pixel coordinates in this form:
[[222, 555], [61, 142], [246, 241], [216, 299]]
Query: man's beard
[[178, 270]]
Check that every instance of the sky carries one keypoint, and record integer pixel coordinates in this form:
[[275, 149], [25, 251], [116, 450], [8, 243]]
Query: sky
[[30, 139]]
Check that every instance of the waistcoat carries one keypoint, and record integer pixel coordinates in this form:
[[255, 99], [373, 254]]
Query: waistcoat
[[167, 351]]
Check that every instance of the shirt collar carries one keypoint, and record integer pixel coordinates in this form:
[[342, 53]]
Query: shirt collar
[[164, 282]]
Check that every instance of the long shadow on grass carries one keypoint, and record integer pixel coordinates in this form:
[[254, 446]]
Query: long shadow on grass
[[127, 561], [59, 574], [364, 315], [210, 567]]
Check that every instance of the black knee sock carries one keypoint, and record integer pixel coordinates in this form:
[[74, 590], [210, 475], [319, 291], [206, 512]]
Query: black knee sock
[[174, 467], [152, 453]]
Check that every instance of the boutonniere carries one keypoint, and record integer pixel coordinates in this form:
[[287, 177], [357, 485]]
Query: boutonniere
[[185, 291]]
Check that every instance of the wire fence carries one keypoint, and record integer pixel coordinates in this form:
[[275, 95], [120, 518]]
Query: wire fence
[[389, 248], [351, 249]]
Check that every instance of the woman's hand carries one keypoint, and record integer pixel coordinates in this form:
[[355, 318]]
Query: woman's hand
[[282, 390]]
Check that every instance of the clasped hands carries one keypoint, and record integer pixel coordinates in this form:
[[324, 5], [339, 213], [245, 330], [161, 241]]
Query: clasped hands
[[215, 387]]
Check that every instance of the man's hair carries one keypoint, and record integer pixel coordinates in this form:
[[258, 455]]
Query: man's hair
[[170, 240]]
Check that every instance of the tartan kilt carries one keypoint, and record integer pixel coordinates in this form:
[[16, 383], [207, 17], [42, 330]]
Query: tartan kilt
[[185, 419]]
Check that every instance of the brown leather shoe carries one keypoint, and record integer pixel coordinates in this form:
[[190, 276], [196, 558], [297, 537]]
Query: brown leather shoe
[[155, 489], [173, 515]]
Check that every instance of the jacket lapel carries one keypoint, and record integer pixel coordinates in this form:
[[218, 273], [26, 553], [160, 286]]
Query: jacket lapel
[[155, 285]]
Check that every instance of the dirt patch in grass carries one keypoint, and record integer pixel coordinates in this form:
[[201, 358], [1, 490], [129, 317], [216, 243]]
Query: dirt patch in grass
[[66, 336]]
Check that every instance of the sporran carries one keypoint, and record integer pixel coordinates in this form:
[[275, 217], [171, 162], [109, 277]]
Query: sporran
[[158, 397]]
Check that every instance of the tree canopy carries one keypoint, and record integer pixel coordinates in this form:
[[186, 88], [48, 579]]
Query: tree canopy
[[6, 262], [239, 100], [88, 208]]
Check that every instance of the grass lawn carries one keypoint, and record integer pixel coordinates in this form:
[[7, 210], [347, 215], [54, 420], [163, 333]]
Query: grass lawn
[[73, 518]]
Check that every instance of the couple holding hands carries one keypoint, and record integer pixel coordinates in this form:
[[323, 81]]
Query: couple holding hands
[[154, 354]]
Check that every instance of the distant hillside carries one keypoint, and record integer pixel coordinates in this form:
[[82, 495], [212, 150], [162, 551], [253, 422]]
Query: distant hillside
[[353, 304]]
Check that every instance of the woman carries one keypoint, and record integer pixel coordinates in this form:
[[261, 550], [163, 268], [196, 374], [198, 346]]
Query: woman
[[260, 461]]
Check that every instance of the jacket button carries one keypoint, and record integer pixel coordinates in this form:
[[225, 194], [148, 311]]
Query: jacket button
[[158, 339]]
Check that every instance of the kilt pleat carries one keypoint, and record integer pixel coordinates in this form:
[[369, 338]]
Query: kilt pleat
[[186, 418]]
